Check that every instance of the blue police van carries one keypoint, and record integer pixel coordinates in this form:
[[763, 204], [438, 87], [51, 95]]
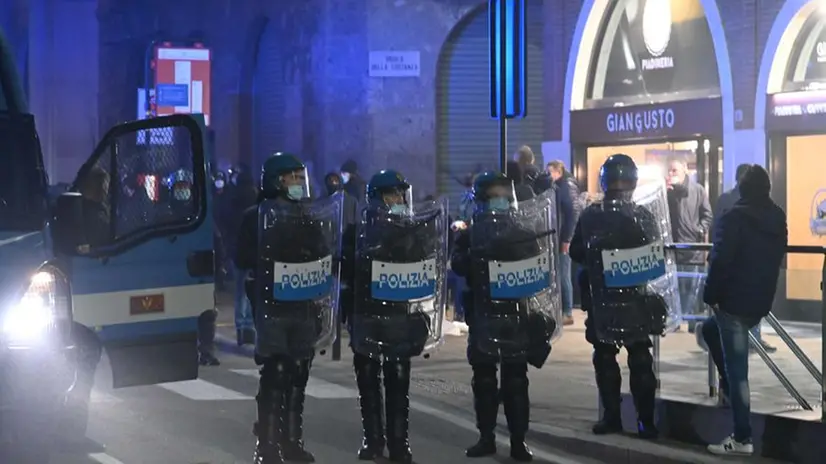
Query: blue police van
[[103, 268]]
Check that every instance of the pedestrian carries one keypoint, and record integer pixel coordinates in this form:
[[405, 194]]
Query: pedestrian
[[749, 246], [622, 311], [353, 183], [243, 195], [691, 218], [496, 238], [527, 161], [568, 207], [522, 189], [389, 326], [293, 320], [725, 203]]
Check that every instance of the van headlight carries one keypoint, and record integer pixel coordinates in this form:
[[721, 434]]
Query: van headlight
[[43, 314]]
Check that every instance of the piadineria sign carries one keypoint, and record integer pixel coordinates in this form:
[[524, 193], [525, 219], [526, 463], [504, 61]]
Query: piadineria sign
[[678, 119], [395, 64]]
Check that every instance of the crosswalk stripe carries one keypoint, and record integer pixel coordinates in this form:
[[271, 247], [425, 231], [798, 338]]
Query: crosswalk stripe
[[201, 390], [316, 388]]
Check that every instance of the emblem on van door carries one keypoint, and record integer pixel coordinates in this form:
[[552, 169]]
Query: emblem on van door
[[146, 304]]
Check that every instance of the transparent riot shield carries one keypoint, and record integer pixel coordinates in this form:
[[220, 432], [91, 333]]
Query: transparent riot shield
[[633, 282], [296, 286], [400, 283], [515, 291]]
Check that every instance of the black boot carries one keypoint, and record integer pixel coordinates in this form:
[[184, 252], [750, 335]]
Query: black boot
[[370, 401], [268, 428], [643, 388], [609, 384], [397, 409], [517, 408], [486, 406], [293, 443]]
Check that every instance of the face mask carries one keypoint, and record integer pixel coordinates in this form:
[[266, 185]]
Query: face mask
[[295, 192], [676, 180], [219, 184], [499, 204], [345, 177], [182, 194], [398, 209], [332, 188]]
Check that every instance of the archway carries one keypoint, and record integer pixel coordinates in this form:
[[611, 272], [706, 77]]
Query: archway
[[596, 17], [790, 110], [467, 139]]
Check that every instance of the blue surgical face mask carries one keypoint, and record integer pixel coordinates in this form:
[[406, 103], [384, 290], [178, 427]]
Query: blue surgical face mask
[[499, 204], [345, 177], [219, 184], [398, 209], [295, 192]]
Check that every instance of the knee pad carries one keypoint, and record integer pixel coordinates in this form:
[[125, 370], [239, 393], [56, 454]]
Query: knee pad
[[515, 377], [484, 376], [604, 355], [275, 375], [639, 356], [300, 372]]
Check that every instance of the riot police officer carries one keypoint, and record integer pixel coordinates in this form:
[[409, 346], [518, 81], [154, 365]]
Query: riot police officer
[[622, 311], [288, 247], [397, 280], [508, 318]]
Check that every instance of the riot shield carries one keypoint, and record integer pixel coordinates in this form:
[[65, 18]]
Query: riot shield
[[516, 296], [400, 283], [296, 286], [633, 281]]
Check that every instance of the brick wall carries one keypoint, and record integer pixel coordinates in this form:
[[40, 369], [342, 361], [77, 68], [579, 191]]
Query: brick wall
[[336, 110]]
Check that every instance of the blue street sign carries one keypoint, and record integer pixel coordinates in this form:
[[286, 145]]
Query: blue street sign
[[172, 94], [514, 54]]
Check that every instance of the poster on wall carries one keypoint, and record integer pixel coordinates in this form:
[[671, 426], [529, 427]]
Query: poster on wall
[[182, 80]]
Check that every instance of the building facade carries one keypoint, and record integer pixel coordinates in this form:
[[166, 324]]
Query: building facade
[[715, 83]]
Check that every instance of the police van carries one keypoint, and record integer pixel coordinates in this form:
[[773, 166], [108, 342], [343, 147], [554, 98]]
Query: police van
[[103, 268]]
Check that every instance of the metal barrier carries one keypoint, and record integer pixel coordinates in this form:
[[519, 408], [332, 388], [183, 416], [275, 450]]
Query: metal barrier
[[780, 331]]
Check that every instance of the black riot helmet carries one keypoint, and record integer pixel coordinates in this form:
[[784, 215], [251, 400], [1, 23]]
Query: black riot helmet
[[284, 175], [618, 174], [493, 192], [391, 189]]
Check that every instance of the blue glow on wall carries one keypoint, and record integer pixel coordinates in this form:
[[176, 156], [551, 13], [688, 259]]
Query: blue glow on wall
[[515, 58]]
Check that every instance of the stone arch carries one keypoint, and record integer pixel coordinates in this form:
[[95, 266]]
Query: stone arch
[[777, 52], [585, 39]]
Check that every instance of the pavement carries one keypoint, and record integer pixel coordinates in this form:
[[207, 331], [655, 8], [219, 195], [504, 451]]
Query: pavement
[[563, 397]]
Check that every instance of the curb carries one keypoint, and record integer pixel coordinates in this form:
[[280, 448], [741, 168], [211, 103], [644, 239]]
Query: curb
[[619, 449]]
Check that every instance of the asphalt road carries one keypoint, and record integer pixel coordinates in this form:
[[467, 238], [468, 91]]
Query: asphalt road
[[209, 421]]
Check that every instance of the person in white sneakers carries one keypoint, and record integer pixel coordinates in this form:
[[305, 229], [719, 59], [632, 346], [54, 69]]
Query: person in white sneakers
[[744, 264]]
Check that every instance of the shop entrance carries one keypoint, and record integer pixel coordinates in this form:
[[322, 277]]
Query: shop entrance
[[702, 155], [798, 171]]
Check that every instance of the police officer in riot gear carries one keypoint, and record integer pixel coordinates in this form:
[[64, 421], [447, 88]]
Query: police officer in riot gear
[[389, 325], [274, 233], [624, 314], [514, 330]]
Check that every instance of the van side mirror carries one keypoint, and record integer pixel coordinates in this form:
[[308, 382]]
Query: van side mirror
[[145, 180]]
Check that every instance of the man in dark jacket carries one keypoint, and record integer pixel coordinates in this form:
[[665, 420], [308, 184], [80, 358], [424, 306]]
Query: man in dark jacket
[[725, 203], [241, 197], [515, 175], [353, 183], [749, 245], [526, 159], [568, 208], [691, 218]]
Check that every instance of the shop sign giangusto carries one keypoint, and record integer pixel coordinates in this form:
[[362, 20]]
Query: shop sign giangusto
[[640, 121]]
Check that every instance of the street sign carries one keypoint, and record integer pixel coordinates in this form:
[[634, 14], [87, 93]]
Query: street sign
[[508, 67]]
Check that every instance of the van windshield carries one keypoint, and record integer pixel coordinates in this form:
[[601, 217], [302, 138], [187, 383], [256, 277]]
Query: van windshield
[[23, 186]]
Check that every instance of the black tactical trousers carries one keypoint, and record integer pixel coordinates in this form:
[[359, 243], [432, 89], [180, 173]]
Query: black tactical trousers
[[511, 390], [281, 410], [396, 406], [643, 382]]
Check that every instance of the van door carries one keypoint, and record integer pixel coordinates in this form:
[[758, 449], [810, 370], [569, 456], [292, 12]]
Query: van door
[[144, 300]]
